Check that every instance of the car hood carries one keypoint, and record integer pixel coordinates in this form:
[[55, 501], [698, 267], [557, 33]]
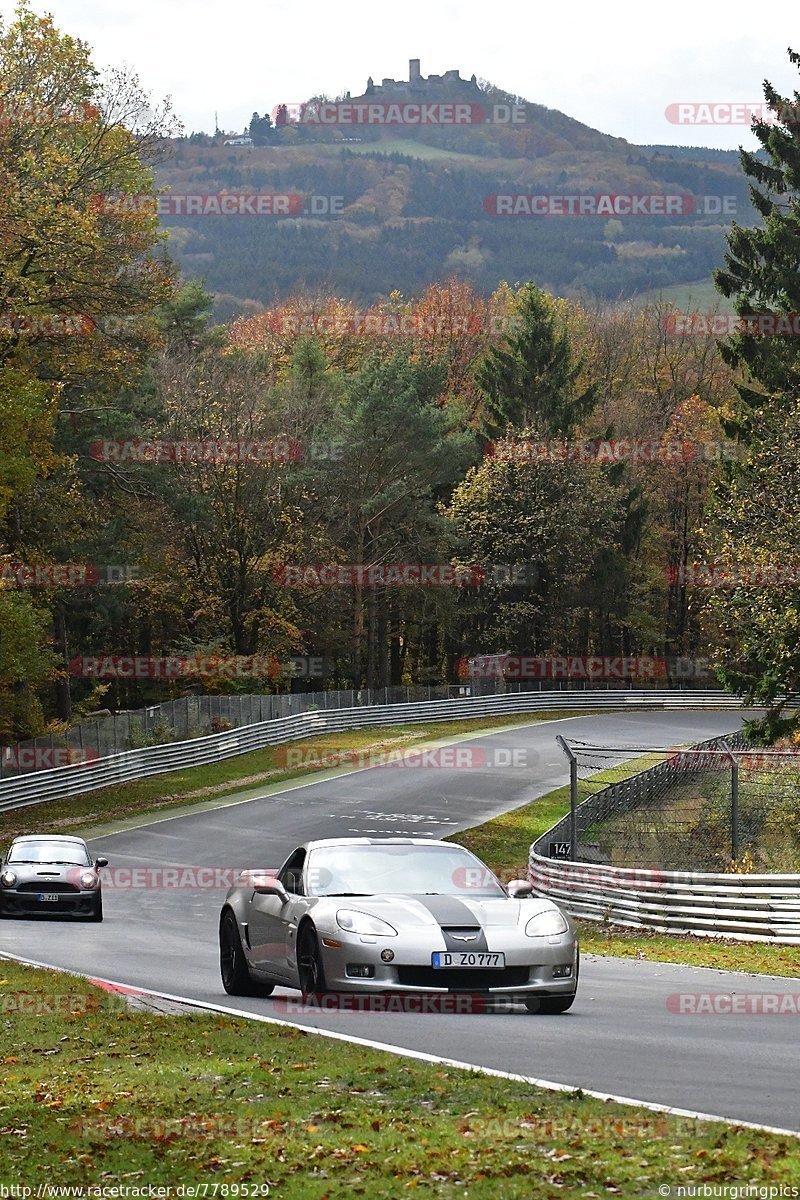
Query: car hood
[[435, 911]]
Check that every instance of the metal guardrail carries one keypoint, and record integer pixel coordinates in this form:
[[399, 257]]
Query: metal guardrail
[[758, 908], [77, 778], [755, 908], [194, 716]]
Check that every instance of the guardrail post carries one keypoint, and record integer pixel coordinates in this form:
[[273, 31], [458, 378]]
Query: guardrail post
[[734, 801], [573, 798]]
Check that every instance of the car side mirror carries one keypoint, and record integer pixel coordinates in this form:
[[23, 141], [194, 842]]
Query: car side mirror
[[101, 862], [271, 887], [518, 889]]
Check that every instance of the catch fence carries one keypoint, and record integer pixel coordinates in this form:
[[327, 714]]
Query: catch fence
[[703, 840]]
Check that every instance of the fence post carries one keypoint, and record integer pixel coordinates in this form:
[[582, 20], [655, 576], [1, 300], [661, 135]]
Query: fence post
[[573, 798], [734, 801]]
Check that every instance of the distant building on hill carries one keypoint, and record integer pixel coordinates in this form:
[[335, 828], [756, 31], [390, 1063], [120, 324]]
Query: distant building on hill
[[417, 87]]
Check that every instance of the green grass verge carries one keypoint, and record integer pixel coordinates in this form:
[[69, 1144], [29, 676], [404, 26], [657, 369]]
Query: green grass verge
[[724, 954], [259, 771], [504, 842], [110, 1097]]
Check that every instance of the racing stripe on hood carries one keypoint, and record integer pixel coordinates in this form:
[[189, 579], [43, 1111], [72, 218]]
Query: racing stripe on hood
[[448, 912]]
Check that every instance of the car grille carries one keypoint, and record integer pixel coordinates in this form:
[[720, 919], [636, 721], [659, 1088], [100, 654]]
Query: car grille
[[47, 885], [462, 980]]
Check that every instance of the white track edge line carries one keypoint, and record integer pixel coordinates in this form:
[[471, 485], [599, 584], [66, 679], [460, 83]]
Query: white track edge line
[[419, 1055]]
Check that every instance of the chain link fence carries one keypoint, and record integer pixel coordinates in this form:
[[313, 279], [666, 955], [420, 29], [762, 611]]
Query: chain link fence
[[719, 806], [191, 717], [196, 716]]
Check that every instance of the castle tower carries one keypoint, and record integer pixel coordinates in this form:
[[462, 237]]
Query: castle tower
[[413, 71]]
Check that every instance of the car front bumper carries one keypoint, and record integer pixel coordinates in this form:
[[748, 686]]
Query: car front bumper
[[24, 904], [530, 963]]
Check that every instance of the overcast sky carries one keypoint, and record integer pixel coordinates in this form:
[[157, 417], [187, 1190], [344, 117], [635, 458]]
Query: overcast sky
[[615, 67]]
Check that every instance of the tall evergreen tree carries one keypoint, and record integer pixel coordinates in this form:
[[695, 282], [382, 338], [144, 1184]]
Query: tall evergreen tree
[[754, 520], [532, 377], [762, 264]]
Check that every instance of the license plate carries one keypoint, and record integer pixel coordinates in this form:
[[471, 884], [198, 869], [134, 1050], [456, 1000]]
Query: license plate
[[467, 958], [48, 897]]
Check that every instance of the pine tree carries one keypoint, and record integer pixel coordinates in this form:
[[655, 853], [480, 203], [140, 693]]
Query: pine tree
[[532, 376], [762, 272], [754, 521]]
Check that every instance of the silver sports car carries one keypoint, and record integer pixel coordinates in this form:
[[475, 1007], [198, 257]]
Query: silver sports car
[[51, 873], [395, 915]]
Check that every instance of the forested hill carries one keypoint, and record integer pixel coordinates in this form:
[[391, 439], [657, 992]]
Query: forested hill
[[410, 206]]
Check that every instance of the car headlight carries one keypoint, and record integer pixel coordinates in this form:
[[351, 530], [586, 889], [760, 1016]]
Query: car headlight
[[8, 879], [546, 923], [89, 879], [353, 921]]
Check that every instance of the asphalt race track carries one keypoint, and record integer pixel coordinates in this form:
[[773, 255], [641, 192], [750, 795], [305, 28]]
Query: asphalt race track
[[620, 1037]]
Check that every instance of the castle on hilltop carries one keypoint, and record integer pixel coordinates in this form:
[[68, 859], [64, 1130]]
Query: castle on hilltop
[[419, 88]]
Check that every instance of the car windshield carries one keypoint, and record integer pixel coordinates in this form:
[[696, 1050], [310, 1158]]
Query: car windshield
[[71, 853], [404, 870]]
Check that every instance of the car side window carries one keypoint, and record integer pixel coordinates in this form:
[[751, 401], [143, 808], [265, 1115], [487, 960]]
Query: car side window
[[291, 875]]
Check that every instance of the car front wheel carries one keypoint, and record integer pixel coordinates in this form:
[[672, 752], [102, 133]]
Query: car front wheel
[[309, 963], [236, 977], [555, 1004], [550, 1004]]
